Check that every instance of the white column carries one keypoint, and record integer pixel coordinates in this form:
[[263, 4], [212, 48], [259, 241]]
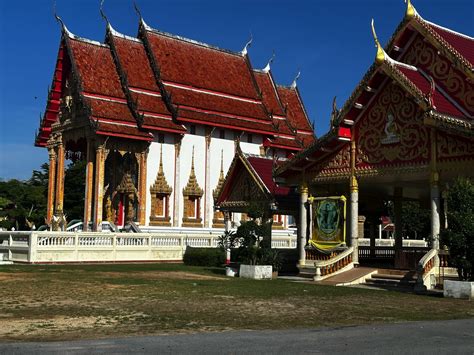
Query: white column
[[176, 189], [227, 227], [207, 183], [302, 230], [435, 208], [354, 221]]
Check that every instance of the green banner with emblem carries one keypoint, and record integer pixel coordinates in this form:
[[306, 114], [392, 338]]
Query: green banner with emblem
[[328, 221]]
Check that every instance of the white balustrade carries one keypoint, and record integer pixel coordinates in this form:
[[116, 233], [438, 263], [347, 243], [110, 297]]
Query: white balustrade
[[47, 246]]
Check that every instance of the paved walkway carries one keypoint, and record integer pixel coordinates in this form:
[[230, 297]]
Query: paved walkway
[[440, 337]]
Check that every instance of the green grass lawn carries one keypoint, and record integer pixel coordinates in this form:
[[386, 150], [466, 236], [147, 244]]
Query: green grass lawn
[[88, 301]]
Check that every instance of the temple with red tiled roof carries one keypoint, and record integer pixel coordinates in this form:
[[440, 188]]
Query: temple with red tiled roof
[[405, 133], [153, 116]]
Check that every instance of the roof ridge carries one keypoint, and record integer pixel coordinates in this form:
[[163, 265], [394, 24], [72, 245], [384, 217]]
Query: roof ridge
[[191, 41], [116, 33], [449, 30]]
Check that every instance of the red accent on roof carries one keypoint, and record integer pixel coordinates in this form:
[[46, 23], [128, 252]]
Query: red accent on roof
[[96, 68], [264, 169], [196, 65], [344, 132], [423, 84], [52, 106], [463, 45]]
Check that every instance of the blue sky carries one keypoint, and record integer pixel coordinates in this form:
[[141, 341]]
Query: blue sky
[[329, 41]]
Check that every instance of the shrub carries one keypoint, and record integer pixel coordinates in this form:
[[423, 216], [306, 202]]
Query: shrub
[[204, 256], [459, 236]]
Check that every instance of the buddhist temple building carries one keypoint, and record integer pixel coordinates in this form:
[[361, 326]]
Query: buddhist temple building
[[405, 133], [158, 118]]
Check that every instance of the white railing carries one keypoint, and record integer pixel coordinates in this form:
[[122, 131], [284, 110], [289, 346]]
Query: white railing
[[426, 278], [365, 242], [45, 246], [333, 266]]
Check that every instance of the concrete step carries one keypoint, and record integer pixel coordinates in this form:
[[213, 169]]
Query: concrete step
[[395, 280]]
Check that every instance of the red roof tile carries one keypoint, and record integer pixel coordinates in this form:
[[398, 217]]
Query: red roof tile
[[197, 65], [264, 169], [96, 68], [105, 128], [269, 93], [188, 115], [135, 63], [110, 110], [295, 111], [214, 102]]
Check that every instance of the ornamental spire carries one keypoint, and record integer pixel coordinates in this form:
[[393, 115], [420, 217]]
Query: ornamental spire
[[247, 45], [101, 9], [220, 183], [61, 22], [161, 185], [411, 11], [270, 61], [293, 84], [380, 56]]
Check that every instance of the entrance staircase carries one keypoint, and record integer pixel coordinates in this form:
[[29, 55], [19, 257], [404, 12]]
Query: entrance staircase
[[393, 280]]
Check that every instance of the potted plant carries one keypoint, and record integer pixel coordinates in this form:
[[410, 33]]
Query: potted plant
[[459, 239], [227, 242]]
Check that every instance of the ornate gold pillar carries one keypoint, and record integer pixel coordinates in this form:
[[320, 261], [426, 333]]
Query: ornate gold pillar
[[88, 187], [99, 187], [51, 184], [60, 179], [142, 159]]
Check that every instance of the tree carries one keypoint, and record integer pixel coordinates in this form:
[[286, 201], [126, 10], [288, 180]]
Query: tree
[[459, 236], [74, 187]]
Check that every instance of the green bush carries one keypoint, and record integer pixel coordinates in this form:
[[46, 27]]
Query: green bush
[[204, 256], [459, 236]]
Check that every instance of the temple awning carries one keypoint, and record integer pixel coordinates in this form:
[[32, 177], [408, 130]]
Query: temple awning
[[249, 180]]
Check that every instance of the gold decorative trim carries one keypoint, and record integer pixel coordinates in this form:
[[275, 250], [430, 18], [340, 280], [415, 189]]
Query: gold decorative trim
[[160, 185], [192, 187]]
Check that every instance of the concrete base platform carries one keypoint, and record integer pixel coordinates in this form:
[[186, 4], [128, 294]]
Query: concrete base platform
[[352, 277]]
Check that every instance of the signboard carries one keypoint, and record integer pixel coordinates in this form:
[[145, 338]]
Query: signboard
[[328, 222]]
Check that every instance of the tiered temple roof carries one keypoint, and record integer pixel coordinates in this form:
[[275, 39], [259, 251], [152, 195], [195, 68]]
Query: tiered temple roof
[[131, 87], [432, 64]]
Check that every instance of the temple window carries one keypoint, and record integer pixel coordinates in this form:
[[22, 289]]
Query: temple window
[[160, 196], [222, 134], [192, 129], [192, 194], [250, 138]]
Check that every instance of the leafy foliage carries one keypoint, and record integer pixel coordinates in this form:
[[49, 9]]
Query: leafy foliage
[[459, 236], [253, 239], [204, 257], [25, 201]]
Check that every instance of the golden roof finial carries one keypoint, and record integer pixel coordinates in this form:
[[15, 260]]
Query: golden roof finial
[[161, 159], [192, 163], [411, 11], [380, 56]]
